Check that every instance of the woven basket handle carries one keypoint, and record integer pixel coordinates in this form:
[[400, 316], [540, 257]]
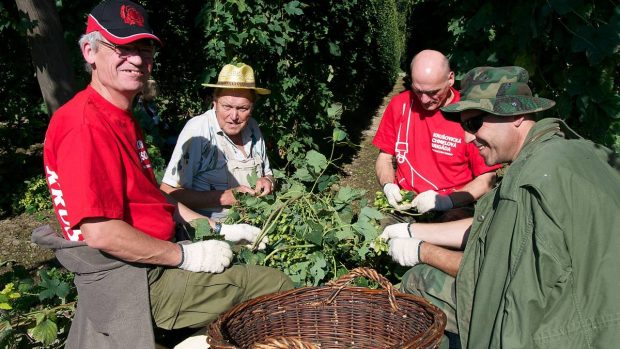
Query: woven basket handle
[[368, 273]]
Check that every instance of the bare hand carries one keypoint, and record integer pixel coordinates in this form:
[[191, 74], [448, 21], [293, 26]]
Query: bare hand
[[228, 197], [263, 186]]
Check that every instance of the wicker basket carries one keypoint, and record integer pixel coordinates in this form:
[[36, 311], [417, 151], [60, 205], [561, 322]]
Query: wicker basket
[[332, 316]]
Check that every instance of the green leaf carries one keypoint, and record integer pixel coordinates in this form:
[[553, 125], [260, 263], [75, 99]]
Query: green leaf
[[334, 49], [316, 160], [369, 231], [346, 233], [315, 233], [371, 213], [292, 8], [252, 178], [303, 175], [52, 287], [338, 135], [45, 331], [241, 5], [345, 195], [202, 230], [318, 267]]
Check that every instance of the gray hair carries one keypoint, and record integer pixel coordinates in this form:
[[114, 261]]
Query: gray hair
[[91, 38]]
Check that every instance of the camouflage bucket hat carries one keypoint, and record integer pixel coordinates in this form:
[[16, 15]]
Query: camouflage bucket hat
[[499, 91]]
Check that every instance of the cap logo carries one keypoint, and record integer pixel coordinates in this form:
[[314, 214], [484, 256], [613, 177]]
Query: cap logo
[[131, 16]]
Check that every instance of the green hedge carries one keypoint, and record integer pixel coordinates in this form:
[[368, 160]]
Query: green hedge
[[312, 55]]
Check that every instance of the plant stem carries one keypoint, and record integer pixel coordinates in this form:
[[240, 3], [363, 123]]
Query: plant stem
[[283, 249]]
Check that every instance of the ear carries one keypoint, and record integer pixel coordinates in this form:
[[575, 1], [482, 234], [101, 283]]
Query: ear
[[88, 52], [451, 79], [518, 120]]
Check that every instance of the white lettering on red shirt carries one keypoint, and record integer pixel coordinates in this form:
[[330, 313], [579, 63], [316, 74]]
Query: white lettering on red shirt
[[144, 156], [59, 206], [444, 144]]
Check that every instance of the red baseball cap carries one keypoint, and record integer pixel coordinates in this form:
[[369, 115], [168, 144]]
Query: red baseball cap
[[120, 22]]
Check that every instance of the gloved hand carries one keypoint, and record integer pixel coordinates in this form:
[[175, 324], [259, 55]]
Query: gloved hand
[[398, 230], [238, 232], [210, 256], [431, 200], [405, 251], [392, 194]]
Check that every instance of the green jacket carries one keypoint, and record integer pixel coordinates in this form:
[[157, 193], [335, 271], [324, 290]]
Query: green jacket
[[542, 264]]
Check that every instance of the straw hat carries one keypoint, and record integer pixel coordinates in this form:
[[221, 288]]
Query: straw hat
[[238, 76]]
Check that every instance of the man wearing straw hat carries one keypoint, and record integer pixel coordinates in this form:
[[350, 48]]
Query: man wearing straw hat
[[541, 254], [219, 151], [118, 226]]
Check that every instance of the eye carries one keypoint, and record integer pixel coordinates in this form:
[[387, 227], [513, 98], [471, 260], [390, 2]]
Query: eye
[[125, 49]]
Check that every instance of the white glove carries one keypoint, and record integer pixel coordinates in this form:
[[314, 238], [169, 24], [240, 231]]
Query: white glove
[[398, 230], [211, 256], [392, 194], [238, 232], [405, 251], [431, 200]]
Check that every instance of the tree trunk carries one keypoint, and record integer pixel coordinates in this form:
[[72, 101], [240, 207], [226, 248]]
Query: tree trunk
[[49, 52]]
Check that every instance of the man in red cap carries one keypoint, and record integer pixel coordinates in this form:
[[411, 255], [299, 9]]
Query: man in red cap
[[118, 226]]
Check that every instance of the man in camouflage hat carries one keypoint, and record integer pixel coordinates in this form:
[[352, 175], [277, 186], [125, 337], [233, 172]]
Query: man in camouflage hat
[[541, 250]]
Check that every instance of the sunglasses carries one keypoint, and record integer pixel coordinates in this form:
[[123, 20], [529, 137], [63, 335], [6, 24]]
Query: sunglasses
[[124, 51], [472, 125]]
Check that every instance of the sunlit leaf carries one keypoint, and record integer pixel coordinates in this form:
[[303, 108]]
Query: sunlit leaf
[[316, 160], [44, 332]]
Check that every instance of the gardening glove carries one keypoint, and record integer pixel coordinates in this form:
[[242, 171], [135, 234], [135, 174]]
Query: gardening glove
[[238, 232], [398, 230], [405, 251], [431, 200], [210, 256], [392, 194]]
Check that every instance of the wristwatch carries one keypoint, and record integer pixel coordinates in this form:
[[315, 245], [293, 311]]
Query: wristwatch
[[218, 228]]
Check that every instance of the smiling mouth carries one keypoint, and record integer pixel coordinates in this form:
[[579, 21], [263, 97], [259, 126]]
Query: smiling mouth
[[132, 72]]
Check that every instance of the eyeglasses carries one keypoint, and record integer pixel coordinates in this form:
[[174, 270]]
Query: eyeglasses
[[124, 51], [472, 125]]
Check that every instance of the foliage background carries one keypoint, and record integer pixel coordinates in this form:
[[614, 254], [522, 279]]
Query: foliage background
[[320, 55], [316, 57], [569, 47]]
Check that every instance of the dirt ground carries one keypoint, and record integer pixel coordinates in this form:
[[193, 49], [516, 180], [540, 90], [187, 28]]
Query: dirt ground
[[15, 240], [360, 173]]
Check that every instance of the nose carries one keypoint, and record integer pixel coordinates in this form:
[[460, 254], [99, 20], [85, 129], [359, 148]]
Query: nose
[[234, 114], [134, 58], [424, 98]]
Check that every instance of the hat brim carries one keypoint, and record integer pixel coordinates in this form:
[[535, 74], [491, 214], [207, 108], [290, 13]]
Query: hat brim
[[504, 106], [259, 90], [122, 36]]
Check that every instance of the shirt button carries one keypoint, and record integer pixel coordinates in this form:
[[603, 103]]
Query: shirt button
[[481, 218]]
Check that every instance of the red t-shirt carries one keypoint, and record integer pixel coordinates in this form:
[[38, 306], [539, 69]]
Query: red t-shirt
[[96, 165], [430, 150]]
